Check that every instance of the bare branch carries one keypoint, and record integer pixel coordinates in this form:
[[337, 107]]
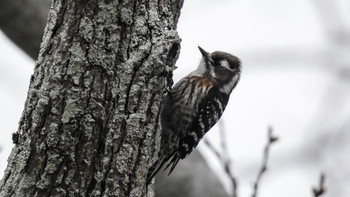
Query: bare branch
[[263, 168], [212, 148], [318, 191], [227, 159], [224, 157]]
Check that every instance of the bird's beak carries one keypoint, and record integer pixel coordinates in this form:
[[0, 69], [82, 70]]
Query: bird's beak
[[204, 53]]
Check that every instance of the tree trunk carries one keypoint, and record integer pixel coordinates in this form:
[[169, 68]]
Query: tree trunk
[[89, 122]]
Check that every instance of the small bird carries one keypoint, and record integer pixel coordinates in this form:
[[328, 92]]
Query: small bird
[[193, 106]]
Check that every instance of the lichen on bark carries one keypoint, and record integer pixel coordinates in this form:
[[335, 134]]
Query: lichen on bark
[[88, 126]]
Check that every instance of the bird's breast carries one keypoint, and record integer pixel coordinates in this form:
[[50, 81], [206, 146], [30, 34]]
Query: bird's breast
[[202, 82]]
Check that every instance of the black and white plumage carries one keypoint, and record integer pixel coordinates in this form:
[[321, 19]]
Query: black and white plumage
[[193, 106]]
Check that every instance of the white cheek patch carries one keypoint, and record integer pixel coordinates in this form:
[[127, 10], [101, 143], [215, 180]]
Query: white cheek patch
[[212, 73], [227, 88]]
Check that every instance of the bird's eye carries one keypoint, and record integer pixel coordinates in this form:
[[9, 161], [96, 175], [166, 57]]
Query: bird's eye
[[232, 66]]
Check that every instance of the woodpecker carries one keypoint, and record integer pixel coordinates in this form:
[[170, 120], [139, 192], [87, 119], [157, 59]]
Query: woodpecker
[[193, 106]]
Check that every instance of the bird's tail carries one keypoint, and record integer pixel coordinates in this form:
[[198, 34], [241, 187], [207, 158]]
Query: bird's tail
[[156, 166]]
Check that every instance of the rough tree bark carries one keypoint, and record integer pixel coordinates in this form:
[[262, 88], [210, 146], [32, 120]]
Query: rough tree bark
[[90, 117]]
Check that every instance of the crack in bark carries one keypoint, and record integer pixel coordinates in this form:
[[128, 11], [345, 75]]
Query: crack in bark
[[57, 27]]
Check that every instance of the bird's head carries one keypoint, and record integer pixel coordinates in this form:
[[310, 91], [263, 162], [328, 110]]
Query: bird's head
[[223, 67]]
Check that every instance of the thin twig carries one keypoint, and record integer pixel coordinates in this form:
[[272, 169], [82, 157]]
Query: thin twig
[[213, 149], [224, 158], [318, 191], [263, 168], [227, 159]]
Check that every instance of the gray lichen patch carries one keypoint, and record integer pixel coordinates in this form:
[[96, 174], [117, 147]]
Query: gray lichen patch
[[71, 110], [77, 63], [87, 29]]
